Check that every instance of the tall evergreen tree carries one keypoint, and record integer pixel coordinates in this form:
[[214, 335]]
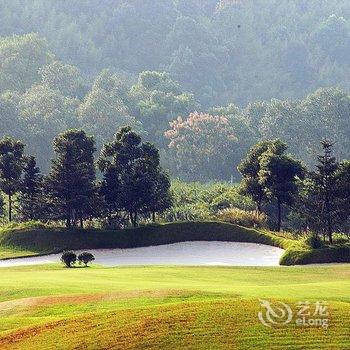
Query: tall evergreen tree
[[325, 182], [31, 203], [71, 181], [11, 167]]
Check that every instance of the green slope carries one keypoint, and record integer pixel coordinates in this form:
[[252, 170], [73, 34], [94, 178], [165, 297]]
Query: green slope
[[50, 307]]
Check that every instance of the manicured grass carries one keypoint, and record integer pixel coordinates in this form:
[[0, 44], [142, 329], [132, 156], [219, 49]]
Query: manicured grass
[[50, 307]]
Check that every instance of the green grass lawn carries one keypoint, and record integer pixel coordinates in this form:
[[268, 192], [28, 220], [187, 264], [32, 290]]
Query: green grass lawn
[[50, 307]]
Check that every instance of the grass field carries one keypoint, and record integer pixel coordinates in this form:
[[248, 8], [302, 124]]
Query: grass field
[[50, 307]]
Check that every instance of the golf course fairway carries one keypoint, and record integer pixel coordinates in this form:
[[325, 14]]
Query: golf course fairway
[[168, 307]]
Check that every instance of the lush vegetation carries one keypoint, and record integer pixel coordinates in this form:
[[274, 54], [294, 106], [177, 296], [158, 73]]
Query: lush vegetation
[[133, 183], [134, 189], [167, 307], [229, 69]]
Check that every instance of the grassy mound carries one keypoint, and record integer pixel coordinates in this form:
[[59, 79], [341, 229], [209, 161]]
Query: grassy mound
[[37, 238], [49, 307], [299, 255], [43, 239]]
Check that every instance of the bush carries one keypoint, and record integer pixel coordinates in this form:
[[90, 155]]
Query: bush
[[242, 217], [314, 241], [69, 258], [85, 258]]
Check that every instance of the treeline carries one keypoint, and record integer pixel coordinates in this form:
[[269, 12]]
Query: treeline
[[132, 183], [317, 200], [40, 97], [222, 50]]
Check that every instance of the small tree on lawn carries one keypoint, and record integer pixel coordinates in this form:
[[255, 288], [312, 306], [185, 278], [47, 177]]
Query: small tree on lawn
[[85, 258], [11, 167], [68, 258]]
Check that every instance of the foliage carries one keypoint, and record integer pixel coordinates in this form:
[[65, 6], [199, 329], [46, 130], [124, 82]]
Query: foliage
[[31, 199], [159, 100], [133, 180], [278, 175], [68, 258], [71, 181], [11, 166], [85, 258], [203, 146], [196, 201], [2, 206], [106, 107], [65, 78], [21, 57], [249, 169], [314, 241], [242, 217]]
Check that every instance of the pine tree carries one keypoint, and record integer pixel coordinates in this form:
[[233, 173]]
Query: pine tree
[[325, 185], [11, 167], [31, 201], [71, 180]]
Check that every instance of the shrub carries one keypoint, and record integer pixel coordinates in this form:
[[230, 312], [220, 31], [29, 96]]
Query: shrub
[[69, 258], [314, 241], [85, 258], [242, 217]]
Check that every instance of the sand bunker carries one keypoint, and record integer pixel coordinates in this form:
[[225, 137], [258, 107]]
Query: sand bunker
[[184, 253]]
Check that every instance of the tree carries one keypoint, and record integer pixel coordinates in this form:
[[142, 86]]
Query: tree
[[31, 203], [204, 146], [325, 182], [11, 167], [71, 180], [159, 100], [159, 196], [9, 115], [343, 194], [132, 177], [278, 175], [106, 107], [2, 206], [85, 258], [21, 58], [249, 169], [69, 258], [45, 112], [62, 77]]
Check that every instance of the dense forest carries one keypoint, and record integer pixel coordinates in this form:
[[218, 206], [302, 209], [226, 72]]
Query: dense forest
[[204, 81]]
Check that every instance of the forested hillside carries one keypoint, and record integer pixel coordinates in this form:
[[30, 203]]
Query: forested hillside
[[202, 79]]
